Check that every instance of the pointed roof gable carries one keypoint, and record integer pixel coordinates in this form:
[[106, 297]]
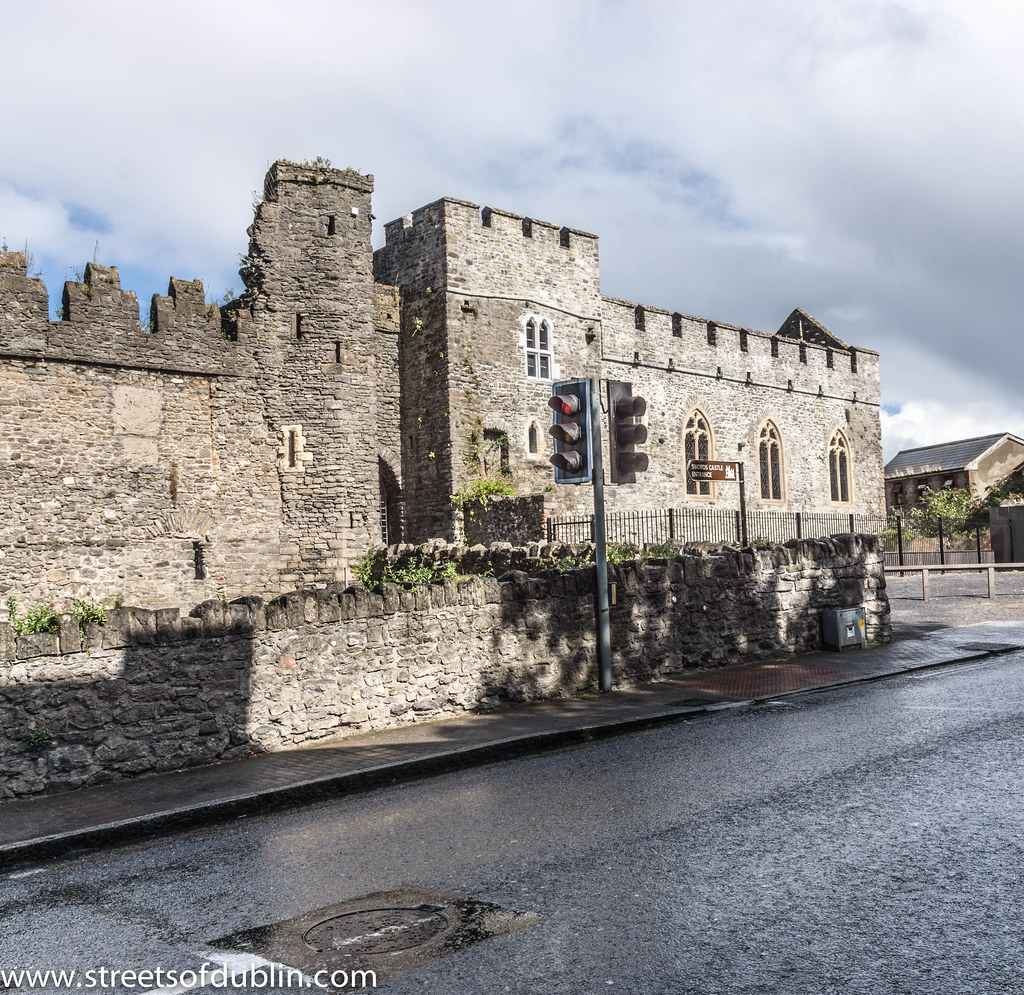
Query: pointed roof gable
[[801, 325]]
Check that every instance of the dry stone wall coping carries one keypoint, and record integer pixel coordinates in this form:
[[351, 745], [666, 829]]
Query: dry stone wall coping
[[524, 572]]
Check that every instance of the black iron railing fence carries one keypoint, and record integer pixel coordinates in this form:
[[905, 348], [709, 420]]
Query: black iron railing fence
[[710, 525], [950, 541], [954, 541]]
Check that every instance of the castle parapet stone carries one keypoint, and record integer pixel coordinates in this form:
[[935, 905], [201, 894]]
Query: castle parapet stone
[[24, 307], [99, 301]]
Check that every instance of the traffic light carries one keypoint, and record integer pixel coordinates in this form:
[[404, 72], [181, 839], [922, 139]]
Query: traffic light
[[626, 432], [570, 404]]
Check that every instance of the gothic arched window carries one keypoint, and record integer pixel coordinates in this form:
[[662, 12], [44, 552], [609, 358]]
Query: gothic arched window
[[839, 467], [769, 457], [698, 444]]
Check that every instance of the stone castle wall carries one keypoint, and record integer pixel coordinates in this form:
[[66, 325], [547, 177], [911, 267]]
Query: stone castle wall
[[310, 292], [207, 450], [739, 383], [216, 450], [153, 691], [134, 462], [501, 270], [415, 256]]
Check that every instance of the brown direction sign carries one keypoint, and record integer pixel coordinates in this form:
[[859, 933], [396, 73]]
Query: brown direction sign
[[712, 470]]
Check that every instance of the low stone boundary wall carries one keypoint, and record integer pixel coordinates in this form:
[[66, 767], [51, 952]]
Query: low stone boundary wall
[[152, 690], [517, 520]]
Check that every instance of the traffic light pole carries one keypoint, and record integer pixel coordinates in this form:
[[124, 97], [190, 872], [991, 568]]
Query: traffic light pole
[[604, 640]]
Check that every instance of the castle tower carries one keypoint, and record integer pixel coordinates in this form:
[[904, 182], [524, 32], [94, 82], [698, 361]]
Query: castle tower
[[494, 306], [310, 294]]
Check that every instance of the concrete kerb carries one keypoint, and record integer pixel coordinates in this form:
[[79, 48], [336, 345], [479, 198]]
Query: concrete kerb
[[451, 759]]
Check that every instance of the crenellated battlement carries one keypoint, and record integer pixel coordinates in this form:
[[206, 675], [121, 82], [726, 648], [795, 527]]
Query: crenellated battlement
[[465, 214], [13, 264], [286, 178], [817, 362], [98, 322], [99, 299], [24, 307], [491, 252]]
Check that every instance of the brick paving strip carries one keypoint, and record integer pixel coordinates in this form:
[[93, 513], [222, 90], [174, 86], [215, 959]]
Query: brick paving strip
[[58, 824]]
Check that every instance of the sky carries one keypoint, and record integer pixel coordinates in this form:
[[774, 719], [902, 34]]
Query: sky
[[862, 159]]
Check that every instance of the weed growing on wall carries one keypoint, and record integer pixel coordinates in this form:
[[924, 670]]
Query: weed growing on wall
[[41, 616], [410, 571], [480, 489], [375, 568], [44, 616], [620, 552], [37, 740]]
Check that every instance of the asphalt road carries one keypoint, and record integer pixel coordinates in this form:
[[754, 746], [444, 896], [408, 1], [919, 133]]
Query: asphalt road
[[956, 599], [861, 840]]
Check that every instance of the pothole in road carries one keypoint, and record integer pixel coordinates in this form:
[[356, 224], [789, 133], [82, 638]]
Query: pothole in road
[[695, 702], [989, 647], [389, 933]]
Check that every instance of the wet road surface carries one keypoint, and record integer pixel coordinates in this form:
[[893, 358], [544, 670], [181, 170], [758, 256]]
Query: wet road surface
[[860, 840]]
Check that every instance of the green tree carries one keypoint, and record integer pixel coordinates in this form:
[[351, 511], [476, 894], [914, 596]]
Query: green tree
[[955, 507]]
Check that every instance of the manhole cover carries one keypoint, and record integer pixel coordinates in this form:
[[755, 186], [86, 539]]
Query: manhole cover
[[377, 931], [386, 933]]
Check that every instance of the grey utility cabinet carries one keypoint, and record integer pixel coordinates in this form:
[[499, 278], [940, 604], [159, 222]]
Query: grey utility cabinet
[[843, 627]]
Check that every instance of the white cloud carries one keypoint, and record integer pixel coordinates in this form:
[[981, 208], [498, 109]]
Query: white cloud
[[926, 423], [860, 158]]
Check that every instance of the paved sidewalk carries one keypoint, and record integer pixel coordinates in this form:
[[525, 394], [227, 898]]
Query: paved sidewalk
[[59, 824]]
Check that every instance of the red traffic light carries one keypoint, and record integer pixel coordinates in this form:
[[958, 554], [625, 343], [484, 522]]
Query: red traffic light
[[565, 404], [570, 403]]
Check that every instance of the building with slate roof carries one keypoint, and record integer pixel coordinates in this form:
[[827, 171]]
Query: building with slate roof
[[970, 464]]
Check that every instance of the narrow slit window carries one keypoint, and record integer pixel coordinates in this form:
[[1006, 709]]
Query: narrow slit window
[[299, 329], [337, 352], [744, 345], [803, 352], [677, 325], [639, 317], [292, 447], [331, 229], [712, 333], [775, 347], [533, 439]]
